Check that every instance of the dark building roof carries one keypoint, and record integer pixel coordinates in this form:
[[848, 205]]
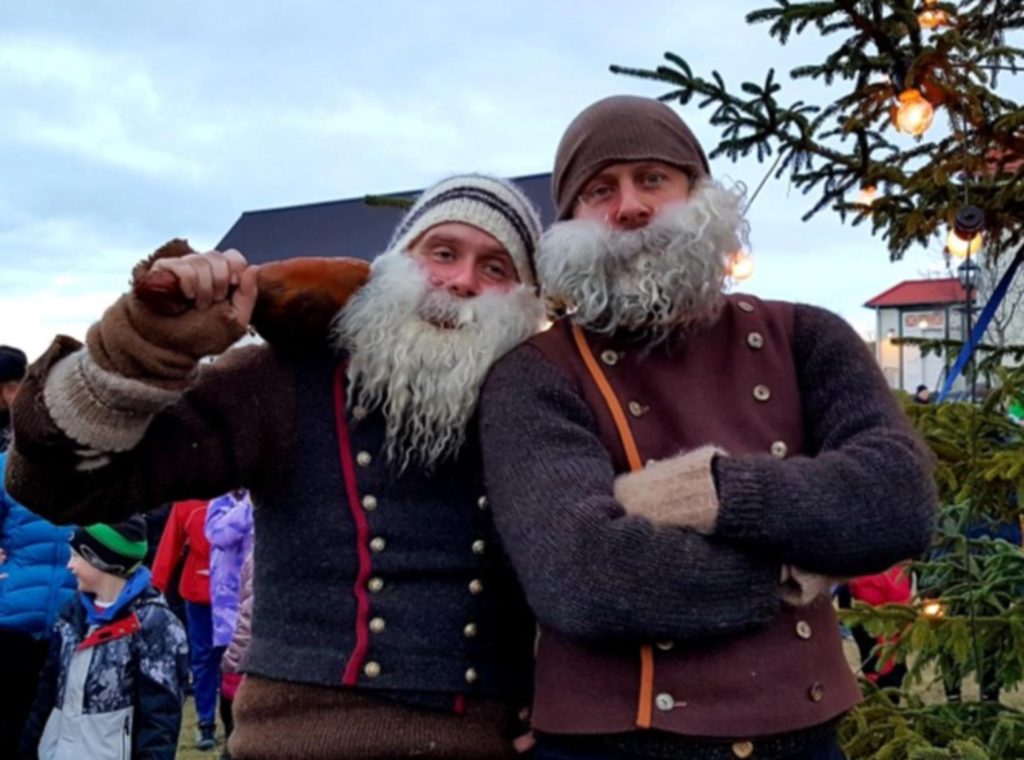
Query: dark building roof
[[341, 228]]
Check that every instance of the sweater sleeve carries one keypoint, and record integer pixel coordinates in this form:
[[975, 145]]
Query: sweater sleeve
[[229, 429], [234, 656], [45, 699], [160, 686], [863, 497], [168, 554], [588, 569]]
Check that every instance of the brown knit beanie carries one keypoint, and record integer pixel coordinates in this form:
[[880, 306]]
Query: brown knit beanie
[[620, 129]]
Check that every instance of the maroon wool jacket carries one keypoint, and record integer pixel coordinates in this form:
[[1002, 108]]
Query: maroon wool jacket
[[814, 441]]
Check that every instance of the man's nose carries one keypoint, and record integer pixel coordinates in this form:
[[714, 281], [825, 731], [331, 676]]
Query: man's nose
[[464, 281], [633, 210]]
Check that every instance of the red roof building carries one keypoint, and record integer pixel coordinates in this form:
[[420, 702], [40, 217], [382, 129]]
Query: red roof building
[[920, 293], [922, 309]]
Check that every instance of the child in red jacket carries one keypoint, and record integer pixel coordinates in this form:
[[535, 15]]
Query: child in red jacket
[[184, 537]]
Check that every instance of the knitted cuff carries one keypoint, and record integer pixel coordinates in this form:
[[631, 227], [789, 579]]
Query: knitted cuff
[[99, 409], [678, 491]]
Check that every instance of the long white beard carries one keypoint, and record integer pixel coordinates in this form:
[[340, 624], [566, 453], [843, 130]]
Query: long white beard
[[426, 378], [655, 279]]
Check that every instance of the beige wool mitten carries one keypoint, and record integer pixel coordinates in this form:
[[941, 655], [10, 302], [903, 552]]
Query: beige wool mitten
[[677, 491]]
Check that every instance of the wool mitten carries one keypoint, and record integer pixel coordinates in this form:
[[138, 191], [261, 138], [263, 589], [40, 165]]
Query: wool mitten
[[677, 491]]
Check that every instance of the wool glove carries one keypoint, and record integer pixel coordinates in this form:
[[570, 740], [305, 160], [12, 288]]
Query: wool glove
[[800, 588], [677, 491], [136, 362], [135, 341]]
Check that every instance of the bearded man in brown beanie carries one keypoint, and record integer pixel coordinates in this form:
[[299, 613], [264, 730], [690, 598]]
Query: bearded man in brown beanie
[[386, 622], [678, 473]]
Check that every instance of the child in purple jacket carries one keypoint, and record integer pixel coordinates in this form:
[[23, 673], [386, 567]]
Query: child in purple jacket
[[229, 530]]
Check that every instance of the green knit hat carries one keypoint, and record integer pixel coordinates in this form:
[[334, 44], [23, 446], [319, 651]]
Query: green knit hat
[[117, 549]]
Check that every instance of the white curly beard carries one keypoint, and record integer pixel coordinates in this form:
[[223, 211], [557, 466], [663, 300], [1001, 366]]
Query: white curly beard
[[655, 279], [420, 354]]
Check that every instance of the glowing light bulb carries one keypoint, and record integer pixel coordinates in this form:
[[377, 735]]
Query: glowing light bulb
[[960, 248], [932, 19], [933, 608], [914, 114], [867, 195], [741, 266]]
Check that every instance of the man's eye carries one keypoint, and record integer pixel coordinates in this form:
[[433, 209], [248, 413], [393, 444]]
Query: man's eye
[[600, 192], [653, 179], [496, 272], [444, 254]]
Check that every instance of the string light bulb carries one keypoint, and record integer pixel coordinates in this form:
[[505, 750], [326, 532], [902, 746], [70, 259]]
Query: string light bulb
[[866, 196], [967, 234], [932, 19], [960, 248], [933, 608], [740, 266], [914, 114]]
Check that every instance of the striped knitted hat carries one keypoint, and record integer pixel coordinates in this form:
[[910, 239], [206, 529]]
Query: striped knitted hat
[[495, 206], [116, 549]]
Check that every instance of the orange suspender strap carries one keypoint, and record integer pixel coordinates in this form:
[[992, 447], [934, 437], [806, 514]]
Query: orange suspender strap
[[645, 706]]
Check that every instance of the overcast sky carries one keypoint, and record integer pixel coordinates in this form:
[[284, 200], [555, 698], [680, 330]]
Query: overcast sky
[[125, 124]]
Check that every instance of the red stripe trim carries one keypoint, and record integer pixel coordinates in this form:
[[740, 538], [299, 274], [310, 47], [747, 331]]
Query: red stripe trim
[[351, 675], [116, 630]]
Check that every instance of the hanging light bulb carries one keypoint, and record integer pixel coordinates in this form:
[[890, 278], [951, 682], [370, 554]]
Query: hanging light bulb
[[960, 248], [932, 19], [966, 237], [740, 266], [933, 608], [914, 114], [867, 195]]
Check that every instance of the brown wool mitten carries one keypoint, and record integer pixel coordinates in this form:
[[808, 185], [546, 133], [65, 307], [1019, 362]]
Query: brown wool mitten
[[676, 491], [139, 340]]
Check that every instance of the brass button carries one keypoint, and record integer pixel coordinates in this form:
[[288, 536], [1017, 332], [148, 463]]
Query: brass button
[[761, 392], [664, 702], [470, 630], [755, 340], [363, 459], [637, 409], [375, 584], [779, 449], [803, 629], [369, 502], [471, 675], [377, 544], [479, 547], [746, 306], [371, 669], [665, 646], [609, 357], [377, 625], [482, 502], [359, 412], [476, 586], [816, 692], [743, 749]]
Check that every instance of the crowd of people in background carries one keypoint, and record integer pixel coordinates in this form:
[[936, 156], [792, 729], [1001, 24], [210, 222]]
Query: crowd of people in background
[[94, 649]]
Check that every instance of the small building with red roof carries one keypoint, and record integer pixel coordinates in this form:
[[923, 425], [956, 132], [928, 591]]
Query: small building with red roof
[[931, 309]]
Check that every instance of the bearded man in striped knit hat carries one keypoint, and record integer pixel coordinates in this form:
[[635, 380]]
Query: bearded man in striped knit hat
[[386, 622]]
